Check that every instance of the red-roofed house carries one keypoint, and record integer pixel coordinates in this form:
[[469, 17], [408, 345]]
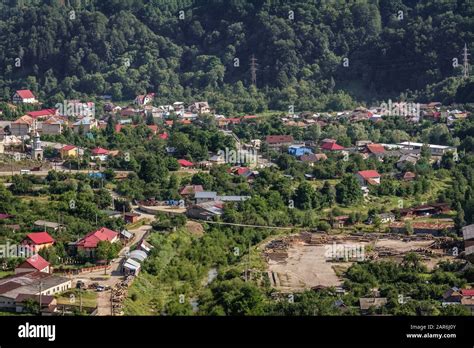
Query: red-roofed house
[[233, 120], [42, 113], [366, 177], [144, 99], [191, 190], [89, 243], [238, 170], [68, 151], [467, 292], [185, 163], [331, 146], [33, 264], [38, 240], [98, 151], [118, 128], [163, 136], [24, 96], [153, 128], [277, 141], [375, 149]]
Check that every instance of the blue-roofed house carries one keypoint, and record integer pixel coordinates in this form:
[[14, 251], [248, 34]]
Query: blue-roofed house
[[87, 123], [299, 150]]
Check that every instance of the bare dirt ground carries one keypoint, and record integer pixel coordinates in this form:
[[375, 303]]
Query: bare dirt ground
[[306, 265], [195, 228]]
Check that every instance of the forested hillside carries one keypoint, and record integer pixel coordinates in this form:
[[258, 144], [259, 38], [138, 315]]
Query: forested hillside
[[185, 50]]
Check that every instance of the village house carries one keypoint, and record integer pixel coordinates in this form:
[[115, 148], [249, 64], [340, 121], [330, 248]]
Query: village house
[[299, 150], [24, 96], [407, 159], [467, 299], [190, 190], [375, 150], [313, 158], [468, 237], [452, 296], [86, 124], [42, 114], [368, 177], [48, 303], [131, 218], [89, 243], [331, 145], [436, 150], [47, 224], [210, 196], [408, 176], [369, 303], [200, 108], [34, 263], [425, 210], [185, 163], [144, 99], [38, 240], [126, 236], [132, 264], [100, 153], [339, 221], [68, 151], [22, 126], [178, 107], [53, 126], [15, 287], [205, 210], [276, 142]]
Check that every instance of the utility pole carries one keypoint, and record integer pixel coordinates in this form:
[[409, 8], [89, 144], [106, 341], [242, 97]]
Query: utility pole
[[111, 302], [465, 61], [247, 265], [80, 297], [253, 70], [40, 295]]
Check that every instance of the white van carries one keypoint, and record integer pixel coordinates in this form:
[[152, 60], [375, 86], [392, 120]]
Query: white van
[[24, 171]]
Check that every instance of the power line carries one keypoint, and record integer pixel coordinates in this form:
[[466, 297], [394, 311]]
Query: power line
[[465, 61]]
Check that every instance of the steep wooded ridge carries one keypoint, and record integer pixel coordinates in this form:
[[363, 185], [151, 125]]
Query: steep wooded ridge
[[189, 49]]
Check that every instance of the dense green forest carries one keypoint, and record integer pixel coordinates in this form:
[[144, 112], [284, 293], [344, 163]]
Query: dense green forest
[[187, 50]]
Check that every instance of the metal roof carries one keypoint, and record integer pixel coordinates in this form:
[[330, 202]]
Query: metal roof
[[468, 232], [139, 255], [205, 194], [126, 234], [131, 264]]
